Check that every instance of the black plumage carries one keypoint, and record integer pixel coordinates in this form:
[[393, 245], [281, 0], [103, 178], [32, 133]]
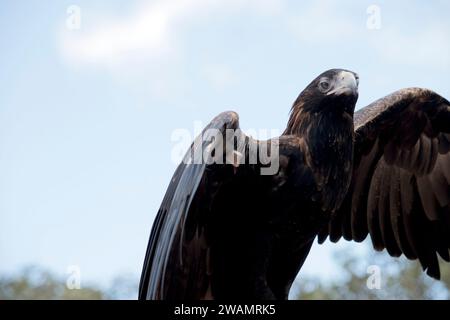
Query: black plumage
[[225, 230]]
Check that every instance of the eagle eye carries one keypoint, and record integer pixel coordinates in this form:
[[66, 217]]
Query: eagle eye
[[324, 85]]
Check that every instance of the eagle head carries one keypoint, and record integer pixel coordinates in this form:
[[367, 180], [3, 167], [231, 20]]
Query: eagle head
[[333, 95], [334, 91]]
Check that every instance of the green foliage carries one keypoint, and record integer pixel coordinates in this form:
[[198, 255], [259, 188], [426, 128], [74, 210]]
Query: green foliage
[[34, 283], [400, 279]]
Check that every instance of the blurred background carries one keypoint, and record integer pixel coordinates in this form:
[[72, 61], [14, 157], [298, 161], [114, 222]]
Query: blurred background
[[92, 92]]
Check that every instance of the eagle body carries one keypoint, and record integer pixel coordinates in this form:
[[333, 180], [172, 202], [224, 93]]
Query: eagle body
[[227, 231], [274, 218]]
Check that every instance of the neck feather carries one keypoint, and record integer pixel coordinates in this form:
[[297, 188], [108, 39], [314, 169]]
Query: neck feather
[[329, 139]]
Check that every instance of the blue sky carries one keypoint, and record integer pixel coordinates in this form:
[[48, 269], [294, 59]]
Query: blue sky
[[86, 115]]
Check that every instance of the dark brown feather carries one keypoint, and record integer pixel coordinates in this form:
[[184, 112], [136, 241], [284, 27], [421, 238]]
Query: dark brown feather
[[373, 210], [400, 189]]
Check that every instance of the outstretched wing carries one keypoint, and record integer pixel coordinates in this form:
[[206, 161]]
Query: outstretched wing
[[400, 190], [177, 258]]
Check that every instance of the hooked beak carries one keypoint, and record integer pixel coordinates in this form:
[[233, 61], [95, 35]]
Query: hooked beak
[[346, 83]]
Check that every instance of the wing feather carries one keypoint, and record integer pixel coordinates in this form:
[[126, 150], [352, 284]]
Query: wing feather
[[400, 190], [372, 211], [177, 258]]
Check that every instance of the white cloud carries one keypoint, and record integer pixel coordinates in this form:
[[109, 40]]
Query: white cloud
[[147, 33], [154, 32], [150, 32]]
